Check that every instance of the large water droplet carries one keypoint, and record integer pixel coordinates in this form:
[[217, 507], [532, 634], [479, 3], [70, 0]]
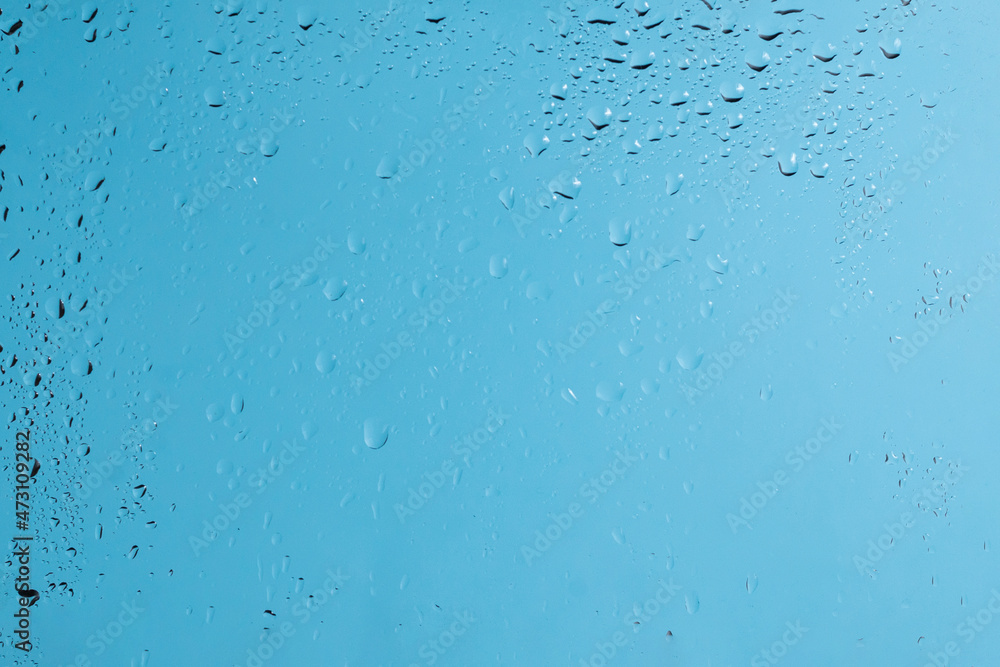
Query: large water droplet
[[214, 96], [891, 48], [376, 434], [306, 17], [610, 391], [326, 361], [214, 412], [620, 231], [334, 289], [498, 266], [93, 181], [788, 164], [599, 117], [690, 358], [758, 60], [732, 91], [824, 51]]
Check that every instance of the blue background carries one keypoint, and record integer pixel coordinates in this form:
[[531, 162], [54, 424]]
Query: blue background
[[275, 267]]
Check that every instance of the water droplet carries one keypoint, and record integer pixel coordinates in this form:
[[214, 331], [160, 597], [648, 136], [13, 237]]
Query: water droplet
[[758, 60], [214, 96], [569, 396], [356, 243], [820, 169], [717, 264], [306, 17], [214, 412], [674, 183], [215, 45], [768, 29], [731, 92], [79, 366], [93, 181], [695, 232], [376, 434], [690, 358], [891, 48], [599, 117], [788, 164], [334, 289], [642, 59], [629, 348], [536, 144], [498, 266], [604, 15], [387, 168], [824, 51], [269, 145], [326, 361], [609, 391], [620, 231]]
